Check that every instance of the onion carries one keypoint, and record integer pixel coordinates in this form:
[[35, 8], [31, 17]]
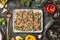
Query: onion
[[56, 15]]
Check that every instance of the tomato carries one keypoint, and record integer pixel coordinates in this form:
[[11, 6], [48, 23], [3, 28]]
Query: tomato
[[51, 8]]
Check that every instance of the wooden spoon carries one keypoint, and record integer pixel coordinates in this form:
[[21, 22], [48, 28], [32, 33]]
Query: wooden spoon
[[8, 16]]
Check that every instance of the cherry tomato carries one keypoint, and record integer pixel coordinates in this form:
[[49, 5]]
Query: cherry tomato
[[51, 8]]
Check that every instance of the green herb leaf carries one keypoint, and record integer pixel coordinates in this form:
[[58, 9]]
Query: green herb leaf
[[3, 23], [0, 20]]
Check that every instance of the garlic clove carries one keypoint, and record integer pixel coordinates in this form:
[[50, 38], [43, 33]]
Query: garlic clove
[[6, 6], [40, 36], [4, 10]]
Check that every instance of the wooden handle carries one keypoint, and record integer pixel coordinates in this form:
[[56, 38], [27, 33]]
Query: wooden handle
[[7, 33], [7, 29]]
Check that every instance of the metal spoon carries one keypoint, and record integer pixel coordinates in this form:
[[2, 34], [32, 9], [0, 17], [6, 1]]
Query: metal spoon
[[8, 16]]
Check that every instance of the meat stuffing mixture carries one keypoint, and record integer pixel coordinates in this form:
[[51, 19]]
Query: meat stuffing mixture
[[27, 21]]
